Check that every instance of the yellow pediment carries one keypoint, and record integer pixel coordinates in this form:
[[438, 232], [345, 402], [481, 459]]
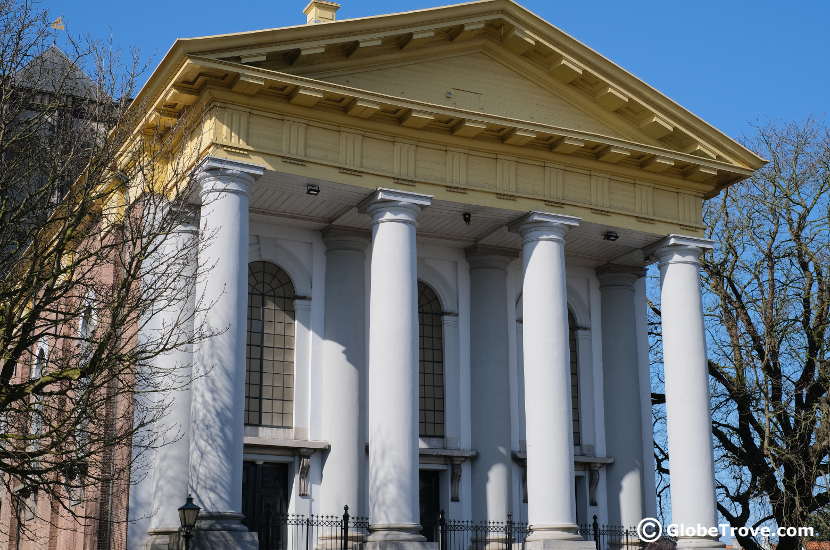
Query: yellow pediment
[[477, 82], [487, 70]]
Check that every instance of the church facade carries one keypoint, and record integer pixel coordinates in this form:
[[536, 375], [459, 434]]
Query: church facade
[[429, 234]]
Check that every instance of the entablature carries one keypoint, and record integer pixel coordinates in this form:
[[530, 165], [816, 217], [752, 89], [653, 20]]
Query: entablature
[[369, 155]]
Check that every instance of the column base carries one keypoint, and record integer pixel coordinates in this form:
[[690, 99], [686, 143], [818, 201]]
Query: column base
[[401, 532], [560, 544], [699, 543], [335, 542], [494, 543], [223, 530], [557, 537], [399, 545], [405, 536], [162, 539], [632, 543]]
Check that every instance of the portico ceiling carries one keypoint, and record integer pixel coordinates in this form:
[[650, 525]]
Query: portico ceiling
[[285, 196]]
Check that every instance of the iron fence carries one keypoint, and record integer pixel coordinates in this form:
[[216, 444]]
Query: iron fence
[[312, 532], [477, 535], [347, 532], [611, 537], [512, 535]]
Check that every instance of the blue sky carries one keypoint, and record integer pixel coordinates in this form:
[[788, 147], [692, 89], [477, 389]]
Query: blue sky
[[735, 63]]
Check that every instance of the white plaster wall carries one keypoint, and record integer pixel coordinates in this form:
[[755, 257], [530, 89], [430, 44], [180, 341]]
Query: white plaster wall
[[445, 270], [301, 253]]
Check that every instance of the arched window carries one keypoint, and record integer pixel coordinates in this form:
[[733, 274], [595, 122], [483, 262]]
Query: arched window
[[430, 363], [269, 384], [574, 379]]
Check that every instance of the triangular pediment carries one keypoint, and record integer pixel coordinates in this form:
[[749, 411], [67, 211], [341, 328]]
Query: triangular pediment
[[476, 82], [487, 70], [597, 93]]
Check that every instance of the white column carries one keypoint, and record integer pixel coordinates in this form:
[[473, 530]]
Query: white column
[[217, 411], [170, 487], [623, 419], [344, 361], [547, 377], [489, 378], [393, 366], [688, 419], [165, 406]]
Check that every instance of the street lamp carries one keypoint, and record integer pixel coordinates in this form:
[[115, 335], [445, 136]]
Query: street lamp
[[187, 517]]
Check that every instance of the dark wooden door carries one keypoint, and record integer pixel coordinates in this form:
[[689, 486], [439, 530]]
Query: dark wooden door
[[430, 502], [265, 502]]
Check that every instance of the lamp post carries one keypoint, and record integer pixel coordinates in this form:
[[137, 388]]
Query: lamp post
[[188, 514]]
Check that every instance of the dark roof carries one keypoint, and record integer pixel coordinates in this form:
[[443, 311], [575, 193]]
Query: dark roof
[[53, 72]]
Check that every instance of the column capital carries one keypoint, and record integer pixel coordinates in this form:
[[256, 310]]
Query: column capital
[[678, 249], [613, 275], [344, 238], [164, 215], [489, 257], [218, 175], [543, 226], [186, 219], [392, 205]]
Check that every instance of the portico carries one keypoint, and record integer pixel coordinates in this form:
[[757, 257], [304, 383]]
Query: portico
[[372, 270], [435, 298]]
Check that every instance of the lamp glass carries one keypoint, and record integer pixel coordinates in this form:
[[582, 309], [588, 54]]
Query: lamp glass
[[189, 513]]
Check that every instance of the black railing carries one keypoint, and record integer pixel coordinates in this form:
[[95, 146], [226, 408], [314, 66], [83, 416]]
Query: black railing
[[346, 532], [511, 535], [478, 535], [611, 537], [312, 532]]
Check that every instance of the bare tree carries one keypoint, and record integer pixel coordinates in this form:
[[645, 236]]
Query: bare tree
[[767, 301], [87, 206]]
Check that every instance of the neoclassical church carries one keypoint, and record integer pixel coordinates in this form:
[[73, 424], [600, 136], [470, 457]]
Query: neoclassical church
[[430, 231]]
